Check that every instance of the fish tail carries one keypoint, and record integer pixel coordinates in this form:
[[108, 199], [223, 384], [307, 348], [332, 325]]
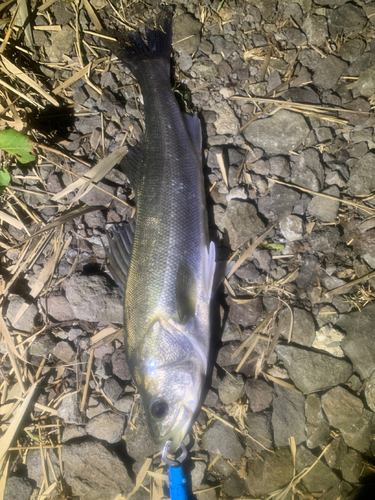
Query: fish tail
[[135, 53]]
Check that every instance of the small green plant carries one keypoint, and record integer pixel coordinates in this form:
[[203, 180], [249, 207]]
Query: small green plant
[[278, 247], [4, 178], [17, 144]]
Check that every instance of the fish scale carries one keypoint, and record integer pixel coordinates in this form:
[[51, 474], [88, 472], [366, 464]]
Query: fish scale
[[169, 279]]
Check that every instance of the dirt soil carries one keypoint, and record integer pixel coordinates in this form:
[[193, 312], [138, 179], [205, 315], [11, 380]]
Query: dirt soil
[[285, 92]]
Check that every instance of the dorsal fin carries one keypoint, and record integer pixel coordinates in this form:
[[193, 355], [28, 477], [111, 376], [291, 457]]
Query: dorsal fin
[[186, 293], [194, 127], [120, 239]]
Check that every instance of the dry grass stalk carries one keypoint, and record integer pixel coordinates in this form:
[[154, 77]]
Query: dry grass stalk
[[86, 388], [344, 288], [249, 251], [7, 438], [281, 382], [345, 202], [12, 221], [9, 30], [223, 170], [140, 476], [260, 328], [197, 492]]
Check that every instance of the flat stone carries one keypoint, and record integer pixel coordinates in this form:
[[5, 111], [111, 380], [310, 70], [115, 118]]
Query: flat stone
[[17, 488], [231, 388], [329, 339], [352, 466], [259, 394], [328, 71], [107, 426], [324, 239], [227, 122], [279, 203], [184, 26], [307, 170], [320, 477], [308, 271], [288, 416], [325, 209], [234, 486], [139, 443], [260, 430], [42, 345], [351, 49], [61, 43], [312, 371], [241, 222], [317, 428], [270, 472], [120, 365], [26, 321], [346, 412], [69, 410], [64, 352], [366, 82], [359, 343], [362, 176], [291, 228], [220, 439], [112, 389], [93, 299], [315, 28], [73, 432], [348, 21], [370, 392], [246, 314], [303, 329], [93, 472], [336, 453], [280, 133]]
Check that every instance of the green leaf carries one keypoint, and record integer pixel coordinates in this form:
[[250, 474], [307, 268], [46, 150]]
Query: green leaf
[[278, 247], [4, 178], [17, 144]]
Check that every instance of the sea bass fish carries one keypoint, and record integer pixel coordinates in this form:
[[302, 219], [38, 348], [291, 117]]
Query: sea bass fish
[[164, 259]]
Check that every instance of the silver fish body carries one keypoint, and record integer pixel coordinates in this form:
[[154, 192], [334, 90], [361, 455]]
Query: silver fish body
[[167, 260]]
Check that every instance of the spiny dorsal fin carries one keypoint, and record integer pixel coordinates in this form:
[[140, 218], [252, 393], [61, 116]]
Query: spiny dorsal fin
[[186, 293], [120, 239]]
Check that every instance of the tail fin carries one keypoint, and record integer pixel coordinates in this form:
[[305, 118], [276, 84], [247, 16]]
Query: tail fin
[[133, 51]]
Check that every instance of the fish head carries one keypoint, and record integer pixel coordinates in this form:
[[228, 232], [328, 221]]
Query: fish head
[[171, 378]]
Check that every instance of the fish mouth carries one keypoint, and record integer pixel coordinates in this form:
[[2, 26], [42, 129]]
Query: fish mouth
[[177, 431]]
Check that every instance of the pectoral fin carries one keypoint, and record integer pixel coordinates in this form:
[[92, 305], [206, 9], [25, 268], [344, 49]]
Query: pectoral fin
[[186, 293], [120, 238]]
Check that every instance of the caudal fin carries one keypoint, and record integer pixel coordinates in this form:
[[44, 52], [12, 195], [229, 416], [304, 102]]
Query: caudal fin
[[133, 51]]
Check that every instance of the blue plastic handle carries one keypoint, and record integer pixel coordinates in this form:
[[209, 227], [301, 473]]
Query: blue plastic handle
[[177, 484]]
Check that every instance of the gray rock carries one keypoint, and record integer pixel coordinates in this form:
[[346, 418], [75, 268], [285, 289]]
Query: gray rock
[[224, 45], [329, 339], [241, 222], [227, 123], [185, 62], [112, 389], [234, 486], [308, 271], [279, 166], [359, 343], [231, 388], [95, 407], [26, 321], [295, 36], [64, 352], [205, 69], [139, 443], [370, 392], [259, 394], [307, 170], [69, 411], [279, 203], [315, 28], [303, 329], [17, 488], [42, 346], [346, 412], [73, 432], [186, 26], [119, 365], [291, 227], [249, 272], [317, 427], [124, 404], [325, 209], [324, 239], [320, 477], [197, 473], [108, 426], [351, 49], [336, 453], [270, 472], [246, 314], [93, 472], [61, 43], [362, 176], [366, 82], [220, 439], [35, 467], [324, 134], [288, 416], [57, 307], [93, 299], [328, 72], [312, 371], [224, 357], [260, 429], [352, 466], [280, 133], [348, 20]]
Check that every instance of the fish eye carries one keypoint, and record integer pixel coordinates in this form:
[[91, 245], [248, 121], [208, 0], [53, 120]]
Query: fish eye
[[159, 408]]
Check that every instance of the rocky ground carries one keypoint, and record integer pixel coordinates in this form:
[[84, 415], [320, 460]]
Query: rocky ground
[[284, 91]]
